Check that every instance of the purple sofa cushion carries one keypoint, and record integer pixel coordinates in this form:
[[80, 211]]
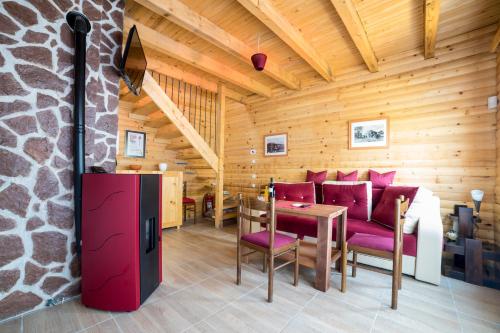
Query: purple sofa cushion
[[307, 226], [301, 192], [316, 177], [261, 238], [299, 225], [381, 180], [354, 197], [353, 176], [384, 212]]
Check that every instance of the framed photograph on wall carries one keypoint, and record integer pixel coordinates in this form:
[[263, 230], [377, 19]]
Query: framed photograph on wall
[[135, 144], [276, 145], [369, 133]]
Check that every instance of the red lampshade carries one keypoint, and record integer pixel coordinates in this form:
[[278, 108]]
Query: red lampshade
[[259, 61]]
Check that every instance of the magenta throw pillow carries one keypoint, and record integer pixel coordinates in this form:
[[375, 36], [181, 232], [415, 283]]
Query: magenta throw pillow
[[301, 192], [354, 197], [381, 180], [384, 211], [316, 177], [353, 176]]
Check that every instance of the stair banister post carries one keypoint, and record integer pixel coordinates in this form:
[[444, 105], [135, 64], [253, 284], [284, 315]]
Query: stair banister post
[[219, 184]]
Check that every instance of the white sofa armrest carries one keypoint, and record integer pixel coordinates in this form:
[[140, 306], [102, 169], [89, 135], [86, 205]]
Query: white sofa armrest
[[430, 244]]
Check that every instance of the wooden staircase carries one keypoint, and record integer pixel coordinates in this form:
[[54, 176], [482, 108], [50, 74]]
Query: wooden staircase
[[188, 120]]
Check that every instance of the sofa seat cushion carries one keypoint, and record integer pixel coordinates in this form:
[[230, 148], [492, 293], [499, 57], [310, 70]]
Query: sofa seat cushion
[[261, 238], [372, 228], [373, 242], [299, 225], [300, 192], [307, 226], [354, 197]]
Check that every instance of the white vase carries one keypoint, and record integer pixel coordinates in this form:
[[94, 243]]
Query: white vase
[[163, 166]]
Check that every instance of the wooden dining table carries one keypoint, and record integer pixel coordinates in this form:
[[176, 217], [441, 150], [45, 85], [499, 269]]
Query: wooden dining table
[[321, 255]]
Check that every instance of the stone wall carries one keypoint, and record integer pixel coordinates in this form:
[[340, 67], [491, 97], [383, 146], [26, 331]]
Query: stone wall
[[37, 243]]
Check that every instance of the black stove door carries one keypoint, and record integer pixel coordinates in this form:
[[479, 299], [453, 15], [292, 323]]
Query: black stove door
[[148, 233]]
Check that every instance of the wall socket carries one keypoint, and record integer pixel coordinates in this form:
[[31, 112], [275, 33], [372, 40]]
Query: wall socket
[[492, 102]]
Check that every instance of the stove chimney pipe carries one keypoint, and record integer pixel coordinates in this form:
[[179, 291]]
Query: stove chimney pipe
[[80, 26]]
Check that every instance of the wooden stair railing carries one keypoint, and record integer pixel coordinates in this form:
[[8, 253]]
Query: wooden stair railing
[[185, 122], [198, 105]]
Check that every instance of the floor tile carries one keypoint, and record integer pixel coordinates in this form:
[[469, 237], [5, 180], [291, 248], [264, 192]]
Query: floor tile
[[109, 326], [11, 326], [65, 318]]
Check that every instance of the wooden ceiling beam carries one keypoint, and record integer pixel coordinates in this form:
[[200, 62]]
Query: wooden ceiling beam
[[183, 16], [495, 41], [431, 14], [159, 66], [267, 14], [350, 17], [179, 51]]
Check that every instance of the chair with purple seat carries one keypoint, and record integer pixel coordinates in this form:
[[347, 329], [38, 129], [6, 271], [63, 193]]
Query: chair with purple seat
[[188, 204], [390, 248], [270, 243]]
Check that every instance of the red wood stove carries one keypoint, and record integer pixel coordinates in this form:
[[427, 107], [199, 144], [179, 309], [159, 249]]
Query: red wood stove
[[121, 240]]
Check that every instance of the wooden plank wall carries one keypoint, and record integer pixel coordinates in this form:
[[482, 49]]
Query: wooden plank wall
[[497, 188], [156, 152], [442, 134]]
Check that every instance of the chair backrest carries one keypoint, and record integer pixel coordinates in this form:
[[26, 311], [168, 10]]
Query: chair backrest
[[400, 209], [184, 189], [251, 210]]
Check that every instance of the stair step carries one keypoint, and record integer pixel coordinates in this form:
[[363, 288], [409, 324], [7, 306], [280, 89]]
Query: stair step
[[190, 157], [196, 167]]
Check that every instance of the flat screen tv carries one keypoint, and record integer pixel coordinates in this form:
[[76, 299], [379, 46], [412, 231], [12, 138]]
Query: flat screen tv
[[133, 65]]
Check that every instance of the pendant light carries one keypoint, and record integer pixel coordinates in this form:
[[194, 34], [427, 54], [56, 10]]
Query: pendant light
[[259, 59]]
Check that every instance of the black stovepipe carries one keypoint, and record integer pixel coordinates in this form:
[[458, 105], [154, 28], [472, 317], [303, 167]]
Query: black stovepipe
[[81, 26]]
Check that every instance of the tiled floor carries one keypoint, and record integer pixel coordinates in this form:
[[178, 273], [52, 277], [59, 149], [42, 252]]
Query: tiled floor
[[199, 294]]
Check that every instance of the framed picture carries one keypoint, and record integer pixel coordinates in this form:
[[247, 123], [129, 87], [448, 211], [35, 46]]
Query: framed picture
[[369, 133], [276, 145], [135, 144]]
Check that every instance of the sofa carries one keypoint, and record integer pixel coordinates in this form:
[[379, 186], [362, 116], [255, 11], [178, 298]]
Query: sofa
[[422, 244]]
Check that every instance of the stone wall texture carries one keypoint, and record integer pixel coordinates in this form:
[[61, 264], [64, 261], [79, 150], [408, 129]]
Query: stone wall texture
[[37, 242]]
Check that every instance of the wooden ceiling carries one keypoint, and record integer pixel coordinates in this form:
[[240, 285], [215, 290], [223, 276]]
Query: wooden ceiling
[[307, 41]]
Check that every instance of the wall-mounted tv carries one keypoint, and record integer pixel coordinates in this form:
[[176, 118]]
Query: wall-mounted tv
[[133, 65]]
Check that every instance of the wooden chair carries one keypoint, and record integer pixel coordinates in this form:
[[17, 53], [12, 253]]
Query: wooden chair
[[188, 204], [269, 242], [384, 247]]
